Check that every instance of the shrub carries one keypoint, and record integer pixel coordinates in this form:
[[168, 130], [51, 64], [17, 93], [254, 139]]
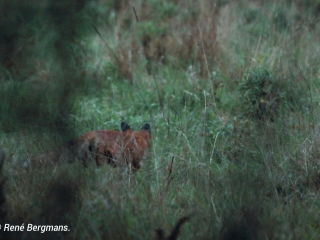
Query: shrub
[[261, 94]]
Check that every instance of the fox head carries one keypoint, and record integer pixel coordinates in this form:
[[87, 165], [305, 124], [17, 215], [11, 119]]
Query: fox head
[[136, 144]]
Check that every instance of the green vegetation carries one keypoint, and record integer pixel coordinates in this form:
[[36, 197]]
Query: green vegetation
[[231, 89]]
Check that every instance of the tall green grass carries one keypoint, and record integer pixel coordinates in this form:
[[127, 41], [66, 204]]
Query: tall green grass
[[230, 89]]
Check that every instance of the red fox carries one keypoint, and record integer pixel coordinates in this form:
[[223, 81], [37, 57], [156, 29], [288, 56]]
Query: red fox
[[117, 148]]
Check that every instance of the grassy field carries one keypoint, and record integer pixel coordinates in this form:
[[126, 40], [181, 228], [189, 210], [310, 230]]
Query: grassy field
[[231, 89]]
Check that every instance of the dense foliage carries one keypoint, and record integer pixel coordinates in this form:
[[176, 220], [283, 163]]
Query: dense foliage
[[229, 87]]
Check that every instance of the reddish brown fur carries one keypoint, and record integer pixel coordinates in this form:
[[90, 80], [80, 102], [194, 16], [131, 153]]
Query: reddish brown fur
[[118, 148]]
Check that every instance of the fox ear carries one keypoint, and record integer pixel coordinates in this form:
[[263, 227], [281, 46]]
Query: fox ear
[[124, 126], [146, 127]]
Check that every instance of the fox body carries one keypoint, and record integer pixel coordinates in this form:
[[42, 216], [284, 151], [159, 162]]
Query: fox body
[[117, 148]]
